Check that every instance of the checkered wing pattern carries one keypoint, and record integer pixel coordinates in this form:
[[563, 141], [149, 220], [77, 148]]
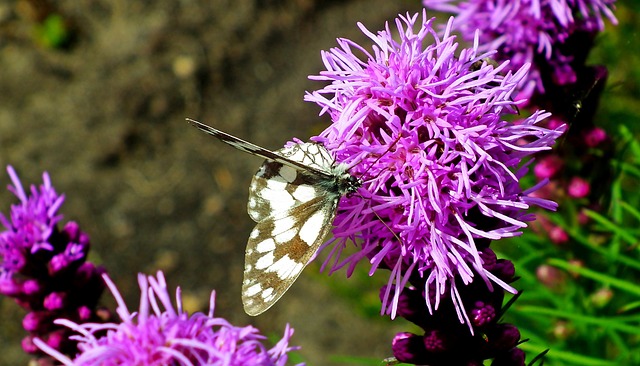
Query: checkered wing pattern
[[294, 211], [293, 198]]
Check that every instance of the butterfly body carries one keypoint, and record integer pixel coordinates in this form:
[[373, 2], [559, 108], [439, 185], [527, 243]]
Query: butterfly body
[[293, 199]]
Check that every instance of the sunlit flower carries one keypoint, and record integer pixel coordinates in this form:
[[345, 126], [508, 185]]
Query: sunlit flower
[[422, 122], [161, 334], [549, 34], [44, 268]]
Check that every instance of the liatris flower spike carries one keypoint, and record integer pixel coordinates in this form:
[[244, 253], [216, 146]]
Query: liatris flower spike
[[554, 35], [426, 131], [45, 269], [161, 334], [444, 342]]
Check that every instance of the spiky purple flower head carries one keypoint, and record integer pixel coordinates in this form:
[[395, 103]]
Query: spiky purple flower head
[[44, 268], [549, 34], [161, 334], [423, 124]]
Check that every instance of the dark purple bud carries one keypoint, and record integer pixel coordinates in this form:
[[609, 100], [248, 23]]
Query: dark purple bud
[[514, 357], [504, 269], [412, 306], [482, 314], [503, 337], [435, 341], [409, 348], [489, 259]]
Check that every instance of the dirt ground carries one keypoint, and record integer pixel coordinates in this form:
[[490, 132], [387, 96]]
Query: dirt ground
[[105, 117]]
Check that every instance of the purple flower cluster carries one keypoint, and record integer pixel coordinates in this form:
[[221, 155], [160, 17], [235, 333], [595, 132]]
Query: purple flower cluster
[[444, 342], [552, 35], [424, 123], [45, 269], [161, 334]]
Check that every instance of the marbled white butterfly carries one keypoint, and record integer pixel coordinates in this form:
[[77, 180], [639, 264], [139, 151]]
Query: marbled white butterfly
[[293, 198]]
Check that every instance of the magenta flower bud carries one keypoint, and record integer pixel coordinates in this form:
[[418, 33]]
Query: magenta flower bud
[[10, 287], [58, 263], [578, 188], [37, 321], [557, 235], [28, 346], [84, 313], [72, 231], [595, 137], [55, 301], [32, 287], [37, 259], [548, 167]]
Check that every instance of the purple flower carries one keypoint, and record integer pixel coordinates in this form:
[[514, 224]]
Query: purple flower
[[550, 34], [161, 334], [426, 130], [443, 342], [44, 268]]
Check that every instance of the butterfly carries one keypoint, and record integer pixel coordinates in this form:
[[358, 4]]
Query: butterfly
[[293, 198]]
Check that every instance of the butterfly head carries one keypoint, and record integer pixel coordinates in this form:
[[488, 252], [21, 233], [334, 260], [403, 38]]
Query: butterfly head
[[343, 183]]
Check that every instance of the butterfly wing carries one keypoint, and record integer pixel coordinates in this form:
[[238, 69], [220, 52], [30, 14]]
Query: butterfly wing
[[286, 156], [279, 248], [294, 213]]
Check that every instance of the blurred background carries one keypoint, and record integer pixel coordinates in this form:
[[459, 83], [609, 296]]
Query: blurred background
[[96, 93]]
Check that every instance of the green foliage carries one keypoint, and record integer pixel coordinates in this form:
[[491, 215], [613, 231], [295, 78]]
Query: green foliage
[[53, 32], [587, 310]]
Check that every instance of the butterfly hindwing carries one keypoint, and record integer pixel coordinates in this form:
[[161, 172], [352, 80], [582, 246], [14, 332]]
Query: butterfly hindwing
[[279, 248]]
